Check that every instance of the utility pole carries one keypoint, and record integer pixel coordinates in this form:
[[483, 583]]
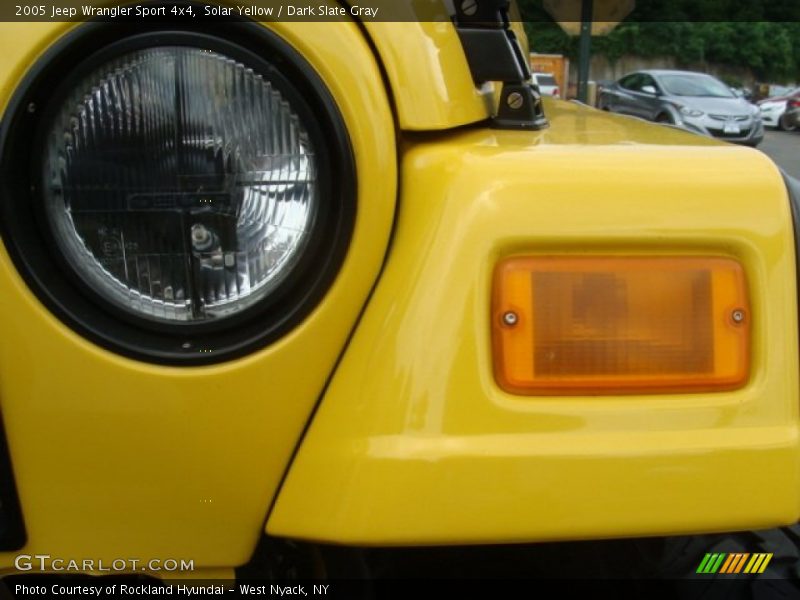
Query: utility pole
[[566, 13], [585, 50]]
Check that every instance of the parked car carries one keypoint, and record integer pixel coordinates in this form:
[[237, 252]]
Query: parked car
[[547, 84], [745, 93], [793, 113], [694, 101], [774, 110]]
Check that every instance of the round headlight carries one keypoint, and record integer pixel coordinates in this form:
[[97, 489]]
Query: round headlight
[[177, 196], [179, 183]]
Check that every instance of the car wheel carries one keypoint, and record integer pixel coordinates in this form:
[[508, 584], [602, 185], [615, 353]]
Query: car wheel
[[665, 119], [785, 125]]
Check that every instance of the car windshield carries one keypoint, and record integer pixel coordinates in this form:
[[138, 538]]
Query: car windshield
[[546, 79], [695, 85]]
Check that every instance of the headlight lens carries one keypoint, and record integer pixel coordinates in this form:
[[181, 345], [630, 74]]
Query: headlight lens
[[179, 184], [691, 112]]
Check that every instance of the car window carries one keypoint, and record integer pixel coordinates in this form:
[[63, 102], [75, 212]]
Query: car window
[[648, 80], [631, 82], [695, 85], [546, 80]]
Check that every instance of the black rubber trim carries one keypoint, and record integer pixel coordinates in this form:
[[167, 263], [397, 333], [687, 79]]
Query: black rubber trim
[[793, 189], [57, 283], [12, 527]]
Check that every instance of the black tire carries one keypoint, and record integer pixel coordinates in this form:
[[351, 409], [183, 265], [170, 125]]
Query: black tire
[[785, 125]]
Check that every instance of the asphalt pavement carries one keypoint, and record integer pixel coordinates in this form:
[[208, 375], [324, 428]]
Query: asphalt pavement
[[783, 147]]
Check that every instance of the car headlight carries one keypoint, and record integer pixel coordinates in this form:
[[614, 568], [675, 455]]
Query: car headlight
[[179, 183], [199, 195], [691, 112]]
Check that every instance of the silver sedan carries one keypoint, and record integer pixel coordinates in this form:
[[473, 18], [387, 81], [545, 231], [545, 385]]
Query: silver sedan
[[694, 101]]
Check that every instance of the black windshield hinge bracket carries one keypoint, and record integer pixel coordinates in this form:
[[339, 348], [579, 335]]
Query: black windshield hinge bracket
[[520, 107], [494, 53]]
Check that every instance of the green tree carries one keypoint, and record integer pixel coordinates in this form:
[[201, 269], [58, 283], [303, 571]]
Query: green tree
[[763, 35]]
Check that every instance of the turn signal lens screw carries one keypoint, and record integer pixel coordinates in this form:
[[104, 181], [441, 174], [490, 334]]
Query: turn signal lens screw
[[510, 318]]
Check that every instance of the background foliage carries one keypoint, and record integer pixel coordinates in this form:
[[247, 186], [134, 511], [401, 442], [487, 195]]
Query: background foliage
[[763, 35]]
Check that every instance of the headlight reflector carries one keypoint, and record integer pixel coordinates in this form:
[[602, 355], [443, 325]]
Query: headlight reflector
[[179, 183]]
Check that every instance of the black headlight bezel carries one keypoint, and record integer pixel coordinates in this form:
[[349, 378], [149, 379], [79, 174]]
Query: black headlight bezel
[[32, 246]]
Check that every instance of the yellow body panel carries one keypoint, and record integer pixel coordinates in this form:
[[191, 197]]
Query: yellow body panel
[[115, 458], [414, 441], [428, 75], [426, 68]]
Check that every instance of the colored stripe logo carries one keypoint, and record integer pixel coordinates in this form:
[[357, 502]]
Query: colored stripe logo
[[734, 563]]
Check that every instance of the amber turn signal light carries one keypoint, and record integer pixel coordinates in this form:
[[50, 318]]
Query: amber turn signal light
[[589, 325]]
